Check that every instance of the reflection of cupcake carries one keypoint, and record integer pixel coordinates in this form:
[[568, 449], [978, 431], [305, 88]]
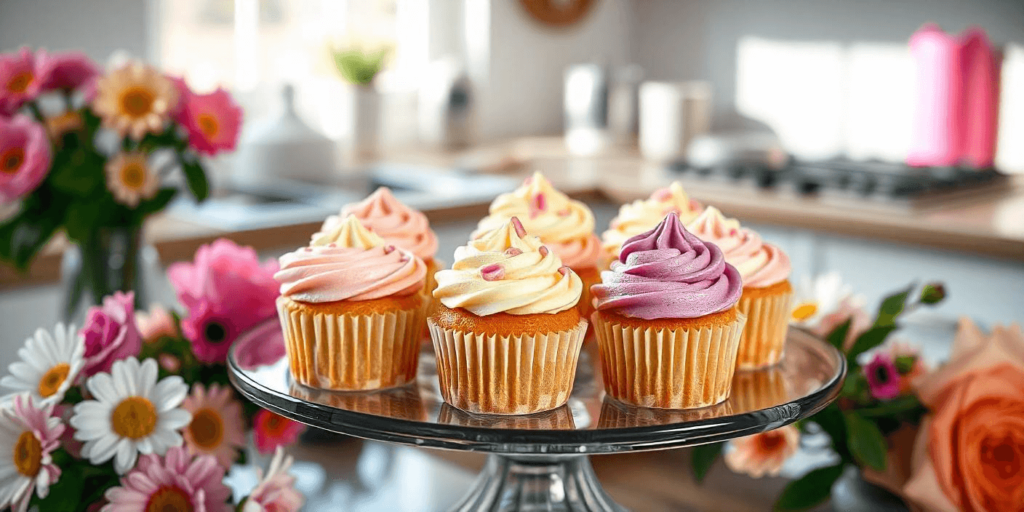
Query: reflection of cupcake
[[766, 290], [615, 414], [351, 311], [400, 403], [507, 332], [666, 320], [564, 225], [559, 418], [393, 221], [643, 215], [753, 391]]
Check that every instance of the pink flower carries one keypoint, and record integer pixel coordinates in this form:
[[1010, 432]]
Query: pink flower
[[883, 377], [276, 491], [217, 428], [20, 80], [226, 291], [262, 346], [212, 120], [272, 430], [763, 454], [155, 324], [67, 71], [24, 157], [29, 433], [173, 482], [110, 333]]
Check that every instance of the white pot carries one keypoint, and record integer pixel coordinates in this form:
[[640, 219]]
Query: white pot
[[671, 115], [366, 114]]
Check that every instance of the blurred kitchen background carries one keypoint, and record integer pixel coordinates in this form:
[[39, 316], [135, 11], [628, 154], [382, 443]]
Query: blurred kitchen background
[[882, 140]]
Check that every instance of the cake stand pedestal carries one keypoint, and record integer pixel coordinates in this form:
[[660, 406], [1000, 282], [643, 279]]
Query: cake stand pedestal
[[540, 461]]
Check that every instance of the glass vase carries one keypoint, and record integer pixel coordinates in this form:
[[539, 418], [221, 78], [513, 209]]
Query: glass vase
[[109, 260]]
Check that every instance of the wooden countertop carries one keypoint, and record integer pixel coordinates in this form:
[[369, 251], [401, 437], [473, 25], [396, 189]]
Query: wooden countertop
[[989, 224]]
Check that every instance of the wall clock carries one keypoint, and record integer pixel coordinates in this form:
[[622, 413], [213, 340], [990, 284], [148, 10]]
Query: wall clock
[[557, 13]]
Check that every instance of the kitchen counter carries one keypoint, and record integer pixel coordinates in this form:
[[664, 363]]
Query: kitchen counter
[[988, 224]]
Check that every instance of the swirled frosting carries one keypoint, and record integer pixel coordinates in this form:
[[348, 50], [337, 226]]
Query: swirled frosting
[[565, 225], [506, 271], [760, 264], [386, 216], [643, 215], [350, 263], [668, 273]]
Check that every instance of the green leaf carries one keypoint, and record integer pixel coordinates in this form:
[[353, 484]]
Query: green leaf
[[77, 173], [195, 175], [81, 219], [65, 493], [891, 307], [157, 203], [830, 419], [358, 68], [22, 237], [905, 364], [809, 490], [897, 406], [837, 338], [703, 457], [870, 339], [867, 444]]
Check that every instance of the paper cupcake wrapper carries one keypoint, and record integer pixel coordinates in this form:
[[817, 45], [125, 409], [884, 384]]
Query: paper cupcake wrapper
[[492, 374], [668, 369], [764, 337], [352, 352], [756, 390]]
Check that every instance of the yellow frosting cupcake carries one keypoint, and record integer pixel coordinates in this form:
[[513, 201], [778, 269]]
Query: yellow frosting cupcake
[[643, 215]]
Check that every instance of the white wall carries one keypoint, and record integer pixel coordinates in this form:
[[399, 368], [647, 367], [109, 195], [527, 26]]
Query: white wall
[[97, 27]]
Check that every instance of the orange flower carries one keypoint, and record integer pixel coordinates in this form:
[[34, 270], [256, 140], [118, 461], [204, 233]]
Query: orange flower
[[970, 452], [763, 453]]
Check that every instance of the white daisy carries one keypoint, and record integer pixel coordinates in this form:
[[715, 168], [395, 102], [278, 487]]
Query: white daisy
[[132, 414], [816, 298], [29, 433], [49, 364]]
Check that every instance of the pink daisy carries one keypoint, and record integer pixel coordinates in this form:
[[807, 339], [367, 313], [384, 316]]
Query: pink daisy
[[66, 71], [226, 291], [212, 120], [29, 433], [217, 427], [273, 430], [883, 377], [24, 157], [20, 79], [276, 491], [173, 482]]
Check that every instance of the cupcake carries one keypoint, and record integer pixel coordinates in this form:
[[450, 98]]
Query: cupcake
[[667, 323], [507, 332], [352, 311], [641, 216], [767, 292], [564, 225], [393, 221]]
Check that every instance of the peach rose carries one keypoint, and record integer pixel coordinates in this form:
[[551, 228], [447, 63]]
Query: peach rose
[[970, 452], [764, 453]]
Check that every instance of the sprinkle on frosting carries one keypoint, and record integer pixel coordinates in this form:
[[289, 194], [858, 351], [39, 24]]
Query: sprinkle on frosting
[[504, 271], [349, 263], [395, 222], [566, 225], [759, 264], [668, 273], [642, 215]]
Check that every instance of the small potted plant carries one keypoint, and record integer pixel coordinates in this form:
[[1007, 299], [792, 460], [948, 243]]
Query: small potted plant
[[359, 69]]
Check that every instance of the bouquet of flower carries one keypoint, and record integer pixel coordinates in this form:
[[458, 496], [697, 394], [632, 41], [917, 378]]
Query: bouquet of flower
[[86, 152], [134, 411], [876, 406]]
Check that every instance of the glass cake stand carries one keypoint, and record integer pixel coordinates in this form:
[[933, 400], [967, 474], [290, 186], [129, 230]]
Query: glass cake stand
[[540, 461]]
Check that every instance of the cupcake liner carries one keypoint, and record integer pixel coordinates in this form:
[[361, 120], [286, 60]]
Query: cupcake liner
[[668, 368], [756, 390], [493, 374], [351, 352], [764, 337]]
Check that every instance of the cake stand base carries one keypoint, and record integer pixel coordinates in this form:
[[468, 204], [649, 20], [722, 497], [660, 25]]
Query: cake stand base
[[537, 482]]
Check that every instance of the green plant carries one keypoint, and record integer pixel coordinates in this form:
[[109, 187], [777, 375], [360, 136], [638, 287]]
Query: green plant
[[357, 67]]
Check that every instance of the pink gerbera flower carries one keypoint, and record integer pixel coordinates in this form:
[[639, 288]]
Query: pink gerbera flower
[[276, 490], [24, 157], [212, 120], [883, 377], [226, 291], [173, 482], [273, 430], [29, 433], [217, 428], [66, 71], [20, 80]]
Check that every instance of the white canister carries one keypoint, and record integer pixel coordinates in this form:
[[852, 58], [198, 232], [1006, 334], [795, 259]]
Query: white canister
[[671, 115]]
